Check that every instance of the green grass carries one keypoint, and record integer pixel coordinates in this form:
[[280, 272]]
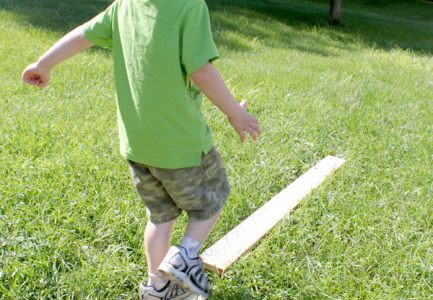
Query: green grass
[[71, 223]]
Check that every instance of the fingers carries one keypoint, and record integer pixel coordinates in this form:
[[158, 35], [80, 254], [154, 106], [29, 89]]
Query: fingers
[[253, 130], [34, 81], [252, 133], [27, 78], [23, 76], [244, 122], [35, 77], [256, 128], [30, 78], [242, 136]]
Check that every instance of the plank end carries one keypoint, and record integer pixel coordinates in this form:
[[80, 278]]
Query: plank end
[[215, 269]]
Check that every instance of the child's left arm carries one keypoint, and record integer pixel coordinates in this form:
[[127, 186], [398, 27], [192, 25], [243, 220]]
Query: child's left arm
[[73, 43]]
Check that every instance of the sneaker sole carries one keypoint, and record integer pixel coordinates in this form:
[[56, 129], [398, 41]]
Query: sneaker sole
[[180, 278]]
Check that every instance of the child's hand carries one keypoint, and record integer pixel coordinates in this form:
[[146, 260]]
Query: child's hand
[[243, 121], [35, 75]]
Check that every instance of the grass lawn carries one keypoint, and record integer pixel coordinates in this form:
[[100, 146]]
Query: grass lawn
[[71, 223]]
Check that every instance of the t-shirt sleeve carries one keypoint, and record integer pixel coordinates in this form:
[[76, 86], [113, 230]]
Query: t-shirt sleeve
[[197, 43], [99, 30]]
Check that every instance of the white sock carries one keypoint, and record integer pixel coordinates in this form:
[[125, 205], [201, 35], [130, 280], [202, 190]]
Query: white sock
[[157, 281], [192, 246]]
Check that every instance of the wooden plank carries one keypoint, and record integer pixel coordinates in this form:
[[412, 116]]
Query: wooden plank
[[221, 255]]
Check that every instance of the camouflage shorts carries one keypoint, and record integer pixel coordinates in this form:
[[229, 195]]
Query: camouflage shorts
[[201, 191]]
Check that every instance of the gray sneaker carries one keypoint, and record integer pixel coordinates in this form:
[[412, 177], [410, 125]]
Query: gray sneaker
[[186, 272], [171, 291]]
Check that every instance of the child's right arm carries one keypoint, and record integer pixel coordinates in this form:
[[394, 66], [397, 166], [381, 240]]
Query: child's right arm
[[73, 43], [213, 86]]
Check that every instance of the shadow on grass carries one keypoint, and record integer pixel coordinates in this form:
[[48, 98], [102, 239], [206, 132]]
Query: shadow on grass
[[55, 15], [245, 28], [242, 25], [304, 25]]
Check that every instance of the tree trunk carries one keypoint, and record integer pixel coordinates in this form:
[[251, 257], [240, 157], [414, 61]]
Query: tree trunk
[[335, 13]]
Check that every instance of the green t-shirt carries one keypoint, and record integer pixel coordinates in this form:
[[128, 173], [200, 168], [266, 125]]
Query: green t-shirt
[[156, 45]]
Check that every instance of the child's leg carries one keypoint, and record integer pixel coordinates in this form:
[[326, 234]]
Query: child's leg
[[201, 191], [157, 242], [199, 230], [182, 265], [196, 233], [157, 235]]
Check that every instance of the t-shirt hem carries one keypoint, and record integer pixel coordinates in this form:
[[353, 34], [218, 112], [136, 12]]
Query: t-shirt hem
[[207, 146], [164, 164]]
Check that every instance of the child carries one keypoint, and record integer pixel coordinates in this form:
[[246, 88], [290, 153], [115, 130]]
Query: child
[[162, 52]]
